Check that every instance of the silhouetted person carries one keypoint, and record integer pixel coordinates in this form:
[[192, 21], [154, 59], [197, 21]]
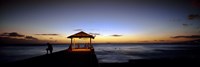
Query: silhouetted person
[[49, 48]]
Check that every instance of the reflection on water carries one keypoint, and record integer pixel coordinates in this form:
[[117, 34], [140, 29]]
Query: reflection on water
[[106, 53]]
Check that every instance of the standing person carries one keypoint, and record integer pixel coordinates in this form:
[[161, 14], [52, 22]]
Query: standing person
[[49, 48]]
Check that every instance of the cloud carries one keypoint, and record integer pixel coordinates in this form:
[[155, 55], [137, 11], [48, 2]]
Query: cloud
[[8, 40], [191, 36], [16, 38], [143, 41], [17, 35], [48, 34], [12, 34], [116, 35], [193, 16], [78, 30], [94, 34], [50, 38], [31, 38], [161, 40], [185, 25]]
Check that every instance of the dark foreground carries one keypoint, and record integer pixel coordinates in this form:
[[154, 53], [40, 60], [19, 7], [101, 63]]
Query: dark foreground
[[88, 59], [60, 59]]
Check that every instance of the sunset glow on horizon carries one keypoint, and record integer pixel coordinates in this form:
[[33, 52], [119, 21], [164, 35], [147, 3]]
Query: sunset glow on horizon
[[137, 21]]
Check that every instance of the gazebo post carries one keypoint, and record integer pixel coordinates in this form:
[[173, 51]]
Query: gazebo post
[[71, 44], [90, 43], [74, 43]]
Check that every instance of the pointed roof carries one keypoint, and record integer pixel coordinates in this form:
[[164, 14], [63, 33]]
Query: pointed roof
[[81, 35]]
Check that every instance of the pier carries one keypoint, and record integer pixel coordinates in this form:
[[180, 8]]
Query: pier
[[62, 58]]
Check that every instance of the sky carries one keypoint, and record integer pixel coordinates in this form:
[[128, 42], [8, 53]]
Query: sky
[[111, 21]]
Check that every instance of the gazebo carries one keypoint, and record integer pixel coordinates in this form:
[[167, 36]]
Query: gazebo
[[83, 46]]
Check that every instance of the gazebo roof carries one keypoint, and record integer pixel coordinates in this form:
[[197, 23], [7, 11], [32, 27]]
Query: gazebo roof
[[81, 35]]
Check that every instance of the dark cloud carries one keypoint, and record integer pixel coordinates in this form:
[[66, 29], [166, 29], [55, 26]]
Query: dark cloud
[[16, 38], [48, 34], [185, 25], [12, 34], [193, 16], [191, 36], [8, 40], [116, 35], [50, 38], [94, 34], [17, 35], [78, 30], [143, 41], [161, 40], [31, 38]]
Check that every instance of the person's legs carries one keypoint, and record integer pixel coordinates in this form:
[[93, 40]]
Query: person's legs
[[47, 51], [51, 51]]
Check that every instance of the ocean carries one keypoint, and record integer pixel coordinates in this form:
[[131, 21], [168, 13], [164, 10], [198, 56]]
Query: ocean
[[107, 53]]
